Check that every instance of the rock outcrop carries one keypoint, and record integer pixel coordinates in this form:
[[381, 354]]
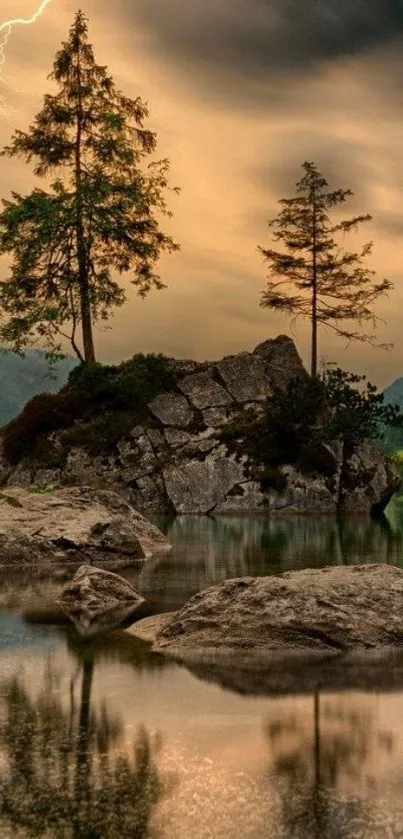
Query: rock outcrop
[[96, 599], [331, 611], [177, 460], [73, 524]]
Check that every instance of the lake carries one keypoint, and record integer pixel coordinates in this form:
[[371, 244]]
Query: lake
[[107, 739]]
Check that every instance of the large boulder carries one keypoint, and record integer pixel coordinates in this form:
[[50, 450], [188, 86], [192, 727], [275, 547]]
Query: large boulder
[[74, 524], [331, 611], [96, 599]]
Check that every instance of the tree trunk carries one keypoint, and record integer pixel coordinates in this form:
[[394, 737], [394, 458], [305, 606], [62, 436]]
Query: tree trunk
[[314, 337], [83, 278], [314, 312]]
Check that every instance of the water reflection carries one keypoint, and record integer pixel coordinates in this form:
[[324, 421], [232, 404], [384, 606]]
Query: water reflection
[[208, 550], [61, 773], [317, 757]]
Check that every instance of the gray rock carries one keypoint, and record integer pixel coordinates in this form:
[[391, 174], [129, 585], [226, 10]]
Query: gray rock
[[156, 438], [137, 431], [144, 465], [303, 494], [197, 487], [128, 451], [368, 481], [215, 417], [328, 611], [172, 409], [203, 391], [149, 494], [249, 499], [96, 600], [281, 360], [176, 438], [73, 524], [47, 477], [245, 377]]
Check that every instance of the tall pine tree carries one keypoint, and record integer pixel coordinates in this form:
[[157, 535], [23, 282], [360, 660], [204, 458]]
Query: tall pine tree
[[331, 285], [99, 218]]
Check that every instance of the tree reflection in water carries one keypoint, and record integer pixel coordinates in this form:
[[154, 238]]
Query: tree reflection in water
[[311, 764], [58, 777]]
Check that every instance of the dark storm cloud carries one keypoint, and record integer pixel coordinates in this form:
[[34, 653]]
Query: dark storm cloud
[[255, 42]]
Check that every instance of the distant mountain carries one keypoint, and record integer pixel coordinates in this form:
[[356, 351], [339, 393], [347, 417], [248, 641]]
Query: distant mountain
[[393, 439], [22, 378]]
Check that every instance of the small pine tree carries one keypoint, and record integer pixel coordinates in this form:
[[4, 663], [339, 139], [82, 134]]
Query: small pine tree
[[332, 285], [100, 215]]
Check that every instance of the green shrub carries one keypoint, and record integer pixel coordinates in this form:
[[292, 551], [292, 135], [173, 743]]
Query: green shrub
[[43, 414], [99, 434], [98, 406]]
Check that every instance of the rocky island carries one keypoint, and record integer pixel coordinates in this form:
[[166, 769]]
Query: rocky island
[[172, 438]]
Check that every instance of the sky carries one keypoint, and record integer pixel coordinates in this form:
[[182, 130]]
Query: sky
[[240, 93]]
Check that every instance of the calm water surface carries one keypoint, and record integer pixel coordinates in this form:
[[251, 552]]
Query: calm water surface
[[105, 739]]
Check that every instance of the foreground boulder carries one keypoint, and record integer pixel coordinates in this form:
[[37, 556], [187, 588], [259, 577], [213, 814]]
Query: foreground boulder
[[96, 599], [73, 524], [328, 611]]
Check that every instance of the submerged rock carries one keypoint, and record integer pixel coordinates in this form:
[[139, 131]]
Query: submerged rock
[[73, 524], [330, 611], [97, 600]]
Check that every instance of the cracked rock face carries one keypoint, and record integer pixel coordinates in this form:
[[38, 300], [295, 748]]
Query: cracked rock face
[[245, 377], [172, 409], [204, 392], [174, 461], [197, 487], [75, 524]]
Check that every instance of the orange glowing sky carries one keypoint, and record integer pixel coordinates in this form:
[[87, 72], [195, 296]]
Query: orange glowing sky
[[240, 92]]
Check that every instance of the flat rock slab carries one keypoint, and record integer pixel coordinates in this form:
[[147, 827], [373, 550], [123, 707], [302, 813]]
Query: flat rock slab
[[172, 409], [327, 611], [203, 391], [245, 377], [198, 486], [75, 524]]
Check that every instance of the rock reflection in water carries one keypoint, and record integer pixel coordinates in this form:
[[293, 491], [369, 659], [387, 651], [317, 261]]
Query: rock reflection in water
[[61, 775], [209, 550]]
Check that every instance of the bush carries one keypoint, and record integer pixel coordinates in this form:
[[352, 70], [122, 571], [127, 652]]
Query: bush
[[106, 400], [43, 414], [99, 434], [298, 423]]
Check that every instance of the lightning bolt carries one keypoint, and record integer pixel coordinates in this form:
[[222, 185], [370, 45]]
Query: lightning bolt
[[6, 29]]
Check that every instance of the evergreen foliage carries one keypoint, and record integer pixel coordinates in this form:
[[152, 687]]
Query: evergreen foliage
[[100, 216], [313, 412], [330, 285]]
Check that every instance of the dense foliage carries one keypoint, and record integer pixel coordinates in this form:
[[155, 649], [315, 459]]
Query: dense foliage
[[98, 406], [298, 423]]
